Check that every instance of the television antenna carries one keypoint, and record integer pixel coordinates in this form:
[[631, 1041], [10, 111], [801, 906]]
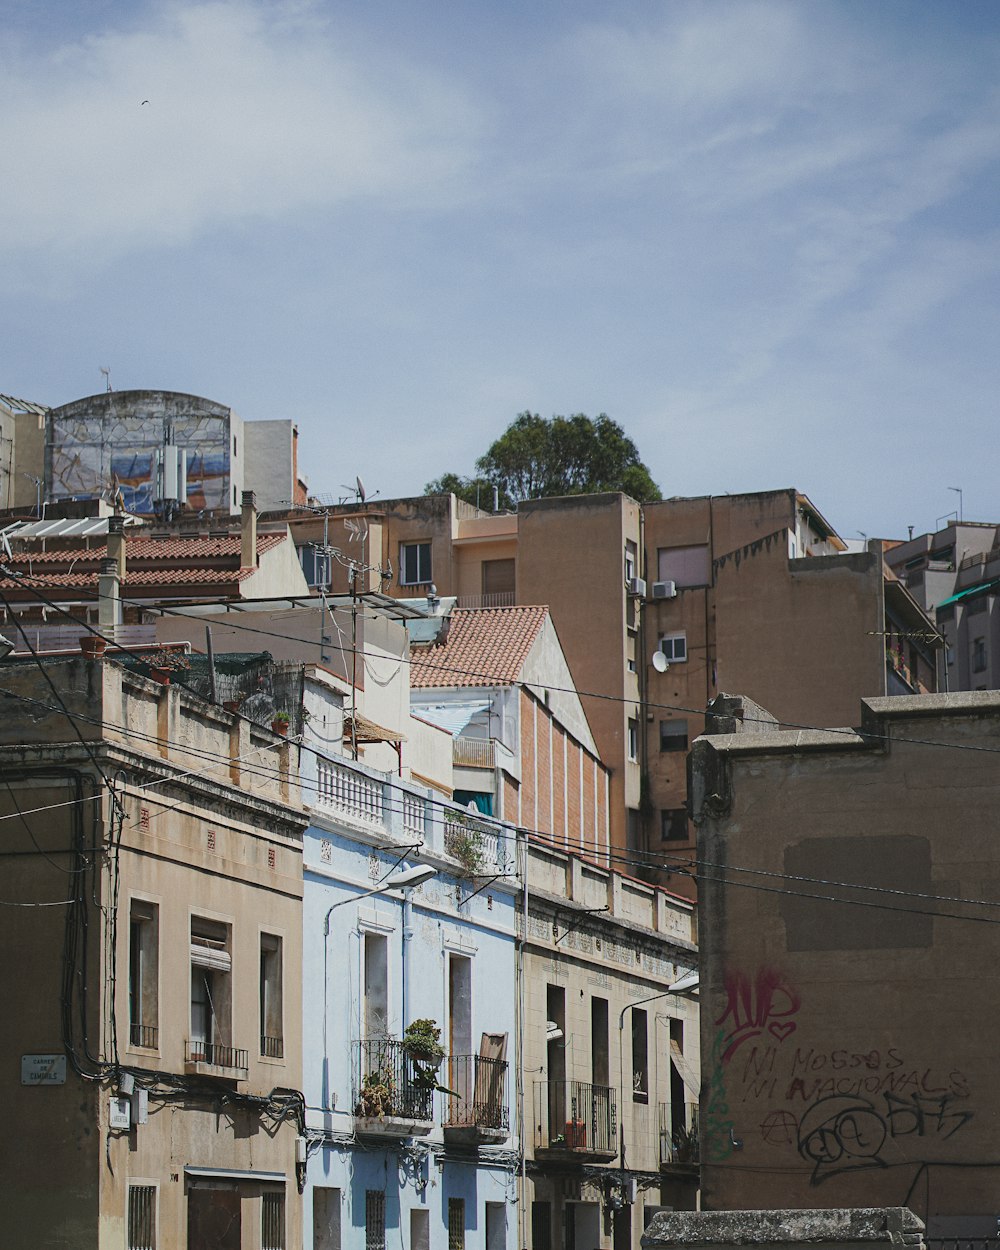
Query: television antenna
[[106, 374]]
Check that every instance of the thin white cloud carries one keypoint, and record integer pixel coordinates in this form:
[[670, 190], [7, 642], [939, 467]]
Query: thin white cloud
[[255, 111]]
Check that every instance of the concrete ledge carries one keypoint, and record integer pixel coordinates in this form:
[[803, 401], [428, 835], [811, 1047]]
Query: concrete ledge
[[844, 1228]]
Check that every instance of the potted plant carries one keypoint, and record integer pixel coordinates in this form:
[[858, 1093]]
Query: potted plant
[[377, 1096], [93, 646], [279, 723], [422, 1043]]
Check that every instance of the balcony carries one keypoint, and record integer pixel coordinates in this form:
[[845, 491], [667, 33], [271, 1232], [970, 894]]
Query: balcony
[[476, 1110], [473, 752], [679, 1146], [498, 599], [212, 1059], [480, 847], [392, 1095], [575, 1121], [272, 1047]]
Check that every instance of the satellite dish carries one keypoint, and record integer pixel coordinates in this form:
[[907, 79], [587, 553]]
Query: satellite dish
[[660, 662], [361, 490]]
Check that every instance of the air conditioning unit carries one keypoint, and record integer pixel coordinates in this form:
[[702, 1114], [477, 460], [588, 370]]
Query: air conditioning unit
[[636, 586], [664, 590]]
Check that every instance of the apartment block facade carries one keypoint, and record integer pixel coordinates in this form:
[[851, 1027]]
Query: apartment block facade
[[154, 850], [611, 1056], [659, 608], [407, 1148]]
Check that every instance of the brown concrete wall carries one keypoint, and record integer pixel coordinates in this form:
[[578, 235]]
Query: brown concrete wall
[[571, 556], [50, 1150], [848, 1053]]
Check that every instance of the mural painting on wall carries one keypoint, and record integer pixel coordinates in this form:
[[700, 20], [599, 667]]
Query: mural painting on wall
[[91, 457], [839, 1109]]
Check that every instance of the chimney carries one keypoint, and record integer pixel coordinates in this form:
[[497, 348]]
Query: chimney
[[248, 531], [116, 543], [109, 610]]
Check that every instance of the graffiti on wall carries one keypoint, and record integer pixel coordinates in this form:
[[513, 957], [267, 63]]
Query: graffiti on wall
[[838, 1108]]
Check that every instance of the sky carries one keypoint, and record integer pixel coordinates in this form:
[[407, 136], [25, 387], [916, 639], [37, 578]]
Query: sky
[[761, 236]]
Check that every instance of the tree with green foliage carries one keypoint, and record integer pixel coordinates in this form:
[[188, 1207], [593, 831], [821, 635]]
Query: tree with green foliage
[[536, 458]]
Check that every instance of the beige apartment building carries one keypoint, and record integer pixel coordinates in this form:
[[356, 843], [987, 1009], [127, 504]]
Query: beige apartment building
[[610, 1057], [151, 1035], [658, 609]]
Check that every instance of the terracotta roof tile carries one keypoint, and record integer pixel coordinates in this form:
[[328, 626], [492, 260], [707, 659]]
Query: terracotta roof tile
[[150, 550], [484, 647]]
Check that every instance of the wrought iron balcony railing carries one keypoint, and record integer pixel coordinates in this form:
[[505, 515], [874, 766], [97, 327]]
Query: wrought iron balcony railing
[[389, 1084], [215, 1055], [144, 1035], [477, 1097], [577, 1117]]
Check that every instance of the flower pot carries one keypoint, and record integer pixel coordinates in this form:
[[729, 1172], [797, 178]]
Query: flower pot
[[280, 727], [160, 673], [93, 646], [230, 705]]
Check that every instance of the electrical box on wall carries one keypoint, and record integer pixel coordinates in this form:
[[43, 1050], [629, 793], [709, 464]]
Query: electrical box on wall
[[121, 1113]]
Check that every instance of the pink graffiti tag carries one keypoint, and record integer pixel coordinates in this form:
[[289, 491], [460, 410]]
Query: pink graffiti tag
[[763, 1003]]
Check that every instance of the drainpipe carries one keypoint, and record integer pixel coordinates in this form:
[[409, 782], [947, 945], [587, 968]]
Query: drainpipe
[[407, 939], [248, 531]]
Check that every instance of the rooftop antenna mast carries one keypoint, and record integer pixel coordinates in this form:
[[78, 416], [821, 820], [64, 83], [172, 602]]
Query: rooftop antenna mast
[[106, 372]]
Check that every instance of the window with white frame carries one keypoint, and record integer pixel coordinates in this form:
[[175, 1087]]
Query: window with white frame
[[674, 647], [633, 740], [414, 563], [376, 984], [272, 1044]]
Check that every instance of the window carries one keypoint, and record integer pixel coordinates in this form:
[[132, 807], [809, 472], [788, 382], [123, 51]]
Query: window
[[674, 647], [685, 566], [633, 740], [456, 1224], [979, 655], [143, 974], [674, 824], [673, 735], [376, 956], [141, 1217], [271, 1030], [414, 563], [640, 1070], [211, 994], [499, 579], [630, 561], [326, 1218], [272, 1221], [599, 1061], [374, 1219], [316, 565]]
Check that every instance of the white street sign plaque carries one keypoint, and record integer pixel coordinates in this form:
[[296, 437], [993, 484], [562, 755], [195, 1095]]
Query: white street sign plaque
[[43, 1069]]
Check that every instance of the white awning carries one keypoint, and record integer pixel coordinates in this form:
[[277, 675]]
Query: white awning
[[235, 1174]]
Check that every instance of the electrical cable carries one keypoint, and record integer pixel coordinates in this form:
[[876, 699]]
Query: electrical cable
[[649, 859], [491, 678]]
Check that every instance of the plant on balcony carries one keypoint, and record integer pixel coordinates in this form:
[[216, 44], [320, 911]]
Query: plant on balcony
[[422, 1042], [378, 1095], [464, 842]]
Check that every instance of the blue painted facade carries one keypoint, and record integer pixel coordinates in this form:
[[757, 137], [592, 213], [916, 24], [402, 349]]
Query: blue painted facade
[[375, 958]]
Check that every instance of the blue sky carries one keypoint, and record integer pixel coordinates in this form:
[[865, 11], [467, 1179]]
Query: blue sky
[[763, 237]]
